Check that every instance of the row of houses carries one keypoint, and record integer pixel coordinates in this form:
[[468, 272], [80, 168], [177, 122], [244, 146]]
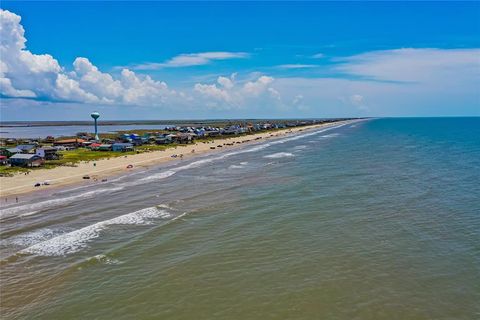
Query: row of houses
[[32, 154], [27, 155]]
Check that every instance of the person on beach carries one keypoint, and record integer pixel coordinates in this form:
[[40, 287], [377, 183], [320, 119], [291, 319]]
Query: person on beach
[[16, 199]]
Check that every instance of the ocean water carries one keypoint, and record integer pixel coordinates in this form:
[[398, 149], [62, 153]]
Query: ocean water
[[377, 219]]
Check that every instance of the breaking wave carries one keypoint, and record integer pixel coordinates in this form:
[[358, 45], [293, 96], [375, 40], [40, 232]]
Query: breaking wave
[[279, 155], [74, 241], [33, 208]]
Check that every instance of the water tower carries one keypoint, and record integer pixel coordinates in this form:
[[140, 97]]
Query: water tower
[[95, 115]]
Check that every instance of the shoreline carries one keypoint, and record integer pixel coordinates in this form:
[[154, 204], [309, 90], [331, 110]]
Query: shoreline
[[106, 168]]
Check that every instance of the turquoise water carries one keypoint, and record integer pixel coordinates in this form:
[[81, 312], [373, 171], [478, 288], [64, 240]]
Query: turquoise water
[[377, 219]]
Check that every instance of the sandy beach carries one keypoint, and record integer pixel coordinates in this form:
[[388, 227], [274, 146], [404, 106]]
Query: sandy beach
[[105, 168]]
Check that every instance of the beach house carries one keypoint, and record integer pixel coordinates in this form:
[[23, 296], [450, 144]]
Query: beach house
[[105, 147], [69, 142], [10, 151], [164, 139], [26, 148], [185, 137], [122, 147], [26, 160], [48, 153]]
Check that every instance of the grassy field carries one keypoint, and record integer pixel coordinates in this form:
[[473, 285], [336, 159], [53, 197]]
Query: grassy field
[[69, 158]]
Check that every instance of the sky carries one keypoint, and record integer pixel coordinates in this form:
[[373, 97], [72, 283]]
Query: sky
[[186, 60]]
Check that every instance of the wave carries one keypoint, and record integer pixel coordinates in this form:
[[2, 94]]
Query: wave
[[154, 177], [241, 165], [300, 147], [331, 135], [33, 208], [30, 238], [76, 240], [279, 155]]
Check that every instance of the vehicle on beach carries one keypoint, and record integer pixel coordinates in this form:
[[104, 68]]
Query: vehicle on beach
[[86, 177]]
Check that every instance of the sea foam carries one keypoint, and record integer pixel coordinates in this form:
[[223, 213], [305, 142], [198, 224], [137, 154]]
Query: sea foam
[[32, 208], [76, 240], [279, 155]]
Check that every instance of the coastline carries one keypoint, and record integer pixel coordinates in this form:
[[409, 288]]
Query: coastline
[[106, 168]]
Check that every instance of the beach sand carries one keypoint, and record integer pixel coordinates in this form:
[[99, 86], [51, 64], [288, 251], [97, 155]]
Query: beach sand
[[63, 176]]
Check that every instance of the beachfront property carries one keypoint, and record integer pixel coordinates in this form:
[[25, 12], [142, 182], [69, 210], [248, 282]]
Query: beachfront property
[[48, 153], [26, 160], [75, 143], [27, 148], [122, 147], [104, 147], [37, 152], [8, 152]]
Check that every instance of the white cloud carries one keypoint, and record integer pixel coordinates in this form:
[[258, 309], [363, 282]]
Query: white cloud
[[21, 71], [389, 82], [226, 82], [296, 66], [413, 65], [24, 74], [297, 99], [28, 75], [192, 59], [231, 93], [359, 102], [318, 56], [257, 87]]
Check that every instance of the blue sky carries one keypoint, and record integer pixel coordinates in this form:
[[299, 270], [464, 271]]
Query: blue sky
[[226, 59]]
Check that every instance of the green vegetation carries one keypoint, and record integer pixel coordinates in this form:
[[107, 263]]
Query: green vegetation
[[72, 157], [9, 171]]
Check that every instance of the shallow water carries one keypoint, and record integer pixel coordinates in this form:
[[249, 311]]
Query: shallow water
[[375, 220]]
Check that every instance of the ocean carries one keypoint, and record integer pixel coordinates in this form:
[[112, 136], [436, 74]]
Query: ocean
[[377, 219]]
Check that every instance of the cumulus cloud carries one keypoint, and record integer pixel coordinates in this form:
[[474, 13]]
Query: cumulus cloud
[[24, 74], [192, 59], [257, 87], [388, 82], [232, 93]]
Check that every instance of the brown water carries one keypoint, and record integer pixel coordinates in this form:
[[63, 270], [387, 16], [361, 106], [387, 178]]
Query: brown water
[[375, 220]]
